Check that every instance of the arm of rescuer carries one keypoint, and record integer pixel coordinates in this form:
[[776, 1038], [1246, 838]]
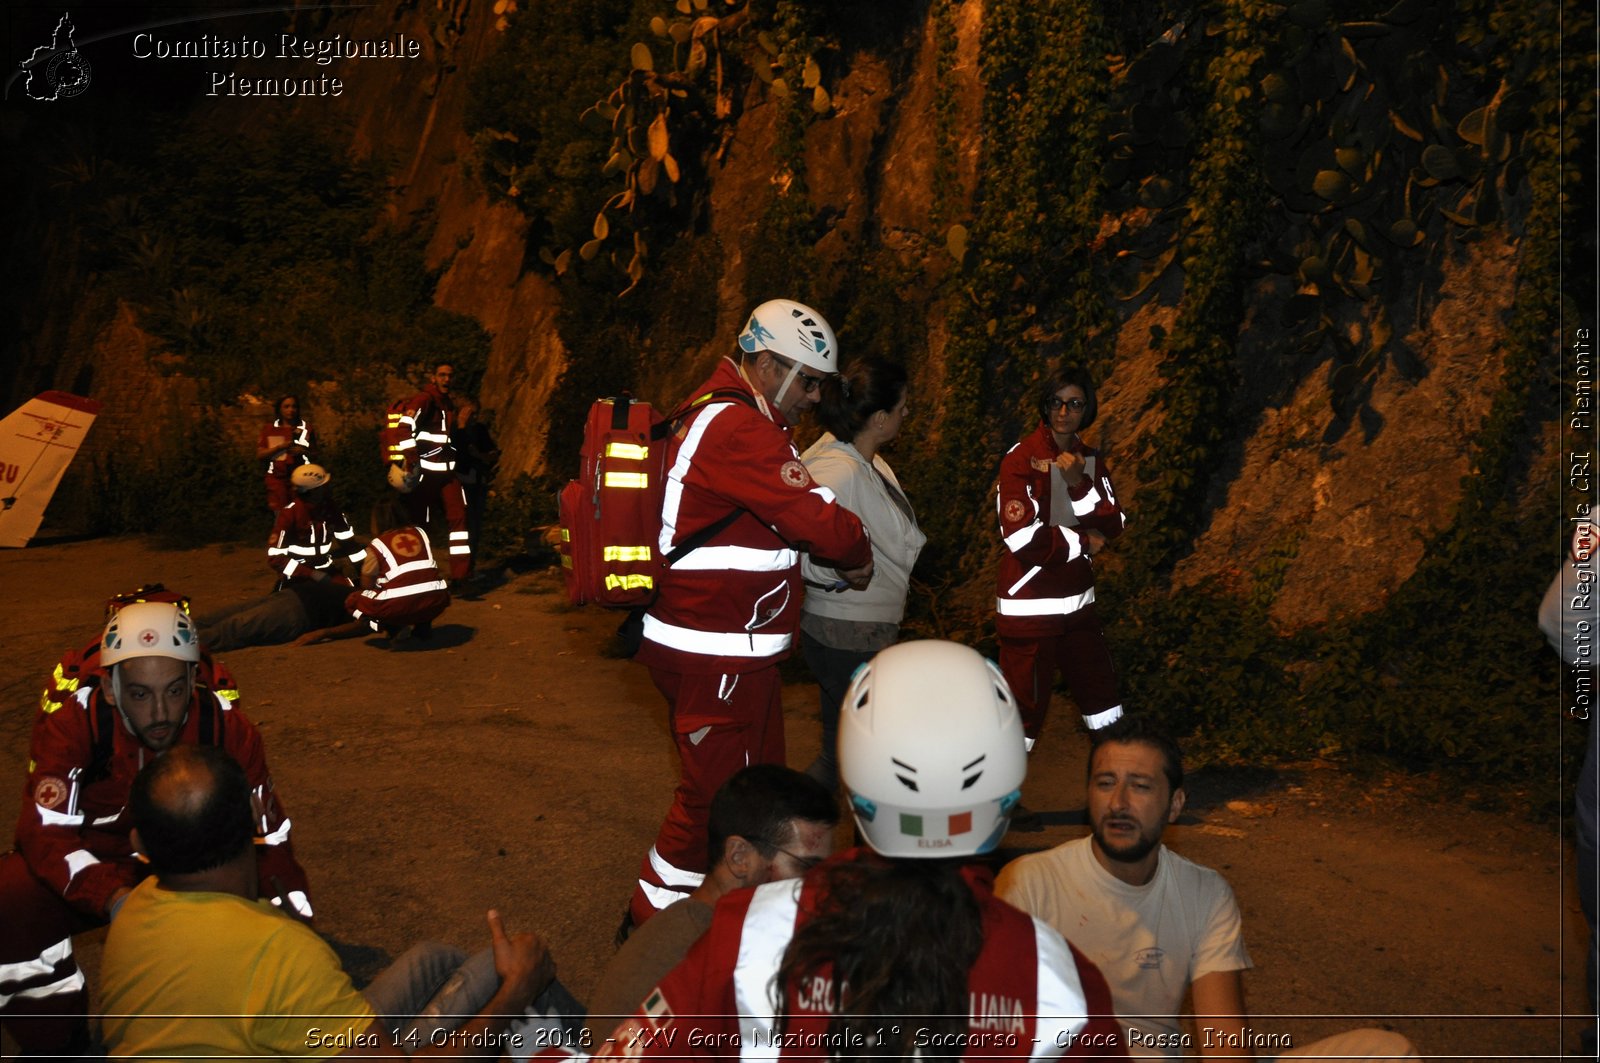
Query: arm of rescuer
[[1023, 505], [525, 967], [51, 824], [755, 467], [279, 875], [1219, 1012]]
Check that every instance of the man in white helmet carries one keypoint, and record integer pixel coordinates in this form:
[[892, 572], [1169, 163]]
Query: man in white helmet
[[900, 949], [73, 862], [727, 610], [311, 532]]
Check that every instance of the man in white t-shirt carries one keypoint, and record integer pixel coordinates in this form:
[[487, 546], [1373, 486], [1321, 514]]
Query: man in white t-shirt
[[1157, 925]]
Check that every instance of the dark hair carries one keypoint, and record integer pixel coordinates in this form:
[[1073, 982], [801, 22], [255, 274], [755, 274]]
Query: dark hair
[[277, 407], [900, 936], [191, 808], [757, 804], [388, 514], [866, 386], [1069, 376], [1139, 731]]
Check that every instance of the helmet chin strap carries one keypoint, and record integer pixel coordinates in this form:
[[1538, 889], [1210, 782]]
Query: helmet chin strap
[[784, 390]]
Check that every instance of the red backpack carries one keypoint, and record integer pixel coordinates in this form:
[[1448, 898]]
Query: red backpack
[[393, 433], [611, 514]]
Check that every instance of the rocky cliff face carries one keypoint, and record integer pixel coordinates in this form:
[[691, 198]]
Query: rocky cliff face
[[1356, 506]]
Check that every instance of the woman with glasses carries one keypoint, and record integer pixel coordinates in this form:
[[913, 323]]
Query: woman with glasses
[[841, 628], [1057, 510]]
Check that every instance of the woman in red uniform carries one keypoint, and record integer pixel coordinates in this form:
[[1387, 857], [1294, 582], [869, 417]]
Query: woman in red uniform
[[286, 443], [1057, 510]]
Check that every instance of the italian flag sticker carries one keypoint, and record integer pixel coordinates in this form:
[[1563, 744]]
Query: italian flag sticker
[[911, 826]]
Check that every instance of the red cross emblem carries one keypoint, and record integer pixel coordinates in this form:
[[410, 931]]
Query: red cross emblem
[[794, 474], [148, 637], [406, 544]]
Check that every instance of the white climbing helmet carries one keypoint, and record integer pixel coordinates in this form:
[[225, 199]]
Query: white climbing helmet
[[792, 330], [150, 629], [931, 751], [308, 477]]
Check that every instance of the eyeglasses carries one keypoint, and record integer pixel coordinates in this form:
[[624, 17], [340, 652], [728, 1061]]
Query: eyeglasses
[[1057, 403], [807, 381], [805, 863]]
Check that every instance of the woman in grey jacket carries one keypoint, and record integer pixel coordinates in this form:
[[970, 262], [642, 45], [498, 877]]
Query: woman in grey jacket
[[840, 629]]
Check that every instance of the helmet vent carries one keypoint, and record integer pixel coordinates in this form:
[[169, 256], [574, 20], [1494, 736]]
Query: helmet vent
[[975, 776], [910, 783]]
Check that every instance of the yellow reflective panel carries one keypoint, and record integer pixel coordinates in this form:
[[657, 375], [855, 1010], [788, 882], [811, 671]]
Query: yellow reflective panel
[[627, 553], [630, 451], [566, 561], [627, 479], [229, 694], [566, 535], [47, 705], [631, 583]]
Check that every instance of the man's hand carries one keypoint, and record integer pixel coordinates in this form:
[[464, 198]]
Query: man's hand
[[858, 578], [522, 961], [1092, 541]]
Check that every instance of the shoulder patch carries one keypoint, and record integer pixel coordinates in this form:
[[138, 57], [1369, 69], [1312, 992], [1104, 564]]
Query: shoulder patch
[[50, 792], [1014, 511], [794, 474]]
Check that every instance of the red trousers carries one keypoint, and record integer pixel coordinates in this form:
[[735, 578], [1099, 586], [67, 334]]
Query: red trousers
[[1080, 654], [280, 492], [400, 612], [43, 1003], [442, 490], [721, 723]]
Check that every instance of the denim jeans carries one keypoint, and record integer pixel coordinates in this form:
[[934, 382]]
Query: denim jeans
[[434, 988]]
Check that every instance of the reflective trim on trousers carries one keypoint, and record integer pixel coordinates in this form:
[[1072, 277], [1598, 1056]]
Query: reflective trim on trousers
[[390, 593], [1103, 719], [714, 643], [738, 559]]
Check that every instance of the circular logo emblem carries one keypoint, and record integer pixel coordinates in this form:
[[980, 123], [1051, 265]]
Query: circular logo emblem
[[406, 544], [49, 792], [794, 474], [1014, 511], [68, 74], [148, 637]]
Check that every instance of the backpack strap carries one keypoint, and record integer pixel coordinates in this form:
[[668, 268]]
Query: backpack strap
[[669, 425]]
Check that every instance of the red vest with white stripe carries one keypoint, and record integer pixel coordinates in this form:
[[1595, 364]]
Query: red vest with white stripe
[[1031, 995], [733, 604], [1044, 576], [406, 565]]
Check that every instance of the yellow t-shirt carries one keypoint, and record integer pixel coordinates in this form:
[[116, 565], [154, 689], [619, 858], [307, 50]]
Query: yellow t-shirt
[[212, 975]]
